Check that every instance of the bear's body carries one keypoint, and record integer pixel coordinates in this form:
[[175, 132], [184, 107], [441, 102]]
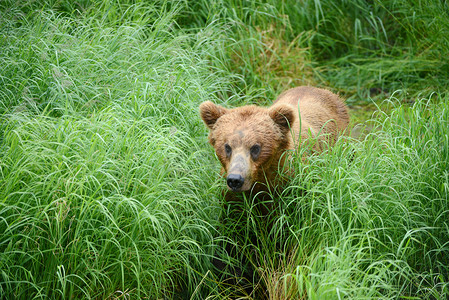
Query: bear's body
[[250, 141]]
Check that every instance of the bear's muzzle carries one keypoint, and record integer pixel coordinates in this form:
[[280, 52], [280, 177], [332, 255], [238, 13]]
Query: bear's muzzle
[[239, 178]]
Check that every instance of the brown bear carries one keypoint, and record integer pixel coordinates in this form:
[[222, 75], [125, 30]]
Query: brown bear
[[250, 141]]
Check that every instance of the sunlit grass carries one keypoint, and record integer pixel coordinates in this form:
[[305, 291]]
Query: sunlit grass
[[104, 178]]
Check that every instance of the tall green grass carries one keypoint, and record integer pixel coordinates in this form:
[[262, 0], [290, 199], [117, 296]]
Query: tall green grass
[[365, 220], [104, 179], [360, 48], [368, 219], [109, 189]]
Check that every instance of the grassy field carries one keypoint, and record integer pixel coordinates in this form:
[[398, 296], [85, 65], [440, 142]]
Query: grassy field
[[109, 190]]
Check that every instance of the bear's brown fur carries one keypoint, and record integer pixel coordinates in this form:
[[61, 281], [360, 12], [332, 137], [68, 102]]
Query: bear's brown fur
[[250, 140]]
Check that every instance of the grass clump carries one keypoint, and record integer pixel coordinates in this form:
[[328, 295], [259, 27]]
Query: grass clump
[[111, 219], [102, 171]]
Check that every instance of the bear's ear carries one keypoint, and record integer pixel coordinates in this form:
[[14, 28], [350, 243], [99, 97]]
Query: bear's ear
[[282, 115], [211, 112]]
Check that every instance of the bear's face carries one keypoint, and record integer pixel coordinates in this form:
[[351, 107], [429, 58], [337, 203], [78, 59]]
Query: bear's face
[[249, 141]]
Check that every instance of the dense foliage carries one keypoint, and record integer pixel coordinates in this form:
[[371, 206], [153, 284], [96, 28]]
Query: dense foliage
[[109, 189]]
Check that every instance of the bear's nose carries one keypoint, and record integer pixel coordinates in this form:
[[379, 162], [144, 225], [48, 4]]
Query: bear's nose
[[235, 181]]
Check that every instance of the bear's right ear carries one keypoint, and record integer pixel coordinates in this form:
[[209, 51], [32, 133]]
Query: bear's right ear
[[211, 112]]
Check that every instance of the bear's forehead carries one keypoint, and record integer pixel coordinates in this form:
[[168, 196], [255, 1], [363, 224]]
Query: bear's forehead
[[244, 136], [244, 128], [246, 117]]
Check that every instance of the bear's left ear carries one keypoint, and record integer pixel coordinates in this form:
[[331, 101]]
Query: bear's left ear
[[211, 112], [282, 115]]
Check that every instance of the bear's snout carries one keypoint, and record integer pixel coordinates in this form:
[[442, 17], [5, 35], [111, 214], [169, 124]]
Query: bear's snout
[[235, 181]]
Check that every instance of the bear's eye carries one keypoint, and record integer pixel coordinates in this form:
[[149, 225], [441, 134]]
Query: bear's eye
[[228, 150], [255, 151]]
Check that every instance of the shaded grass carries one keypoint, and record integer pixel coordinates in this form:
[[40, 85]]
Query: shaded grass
[[360, 48]]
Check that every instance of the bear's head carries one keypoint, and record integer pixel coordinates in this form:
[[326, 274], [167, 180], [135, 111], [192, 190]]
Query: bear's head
[[249, 141]]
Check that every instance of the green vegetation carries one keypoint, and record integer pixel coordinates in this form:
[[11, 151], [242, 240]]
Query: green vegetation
[[108, 188]]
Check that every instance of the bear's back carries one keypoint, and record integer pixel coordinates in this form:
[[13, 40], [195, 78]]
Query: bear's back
[[316, 107]]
